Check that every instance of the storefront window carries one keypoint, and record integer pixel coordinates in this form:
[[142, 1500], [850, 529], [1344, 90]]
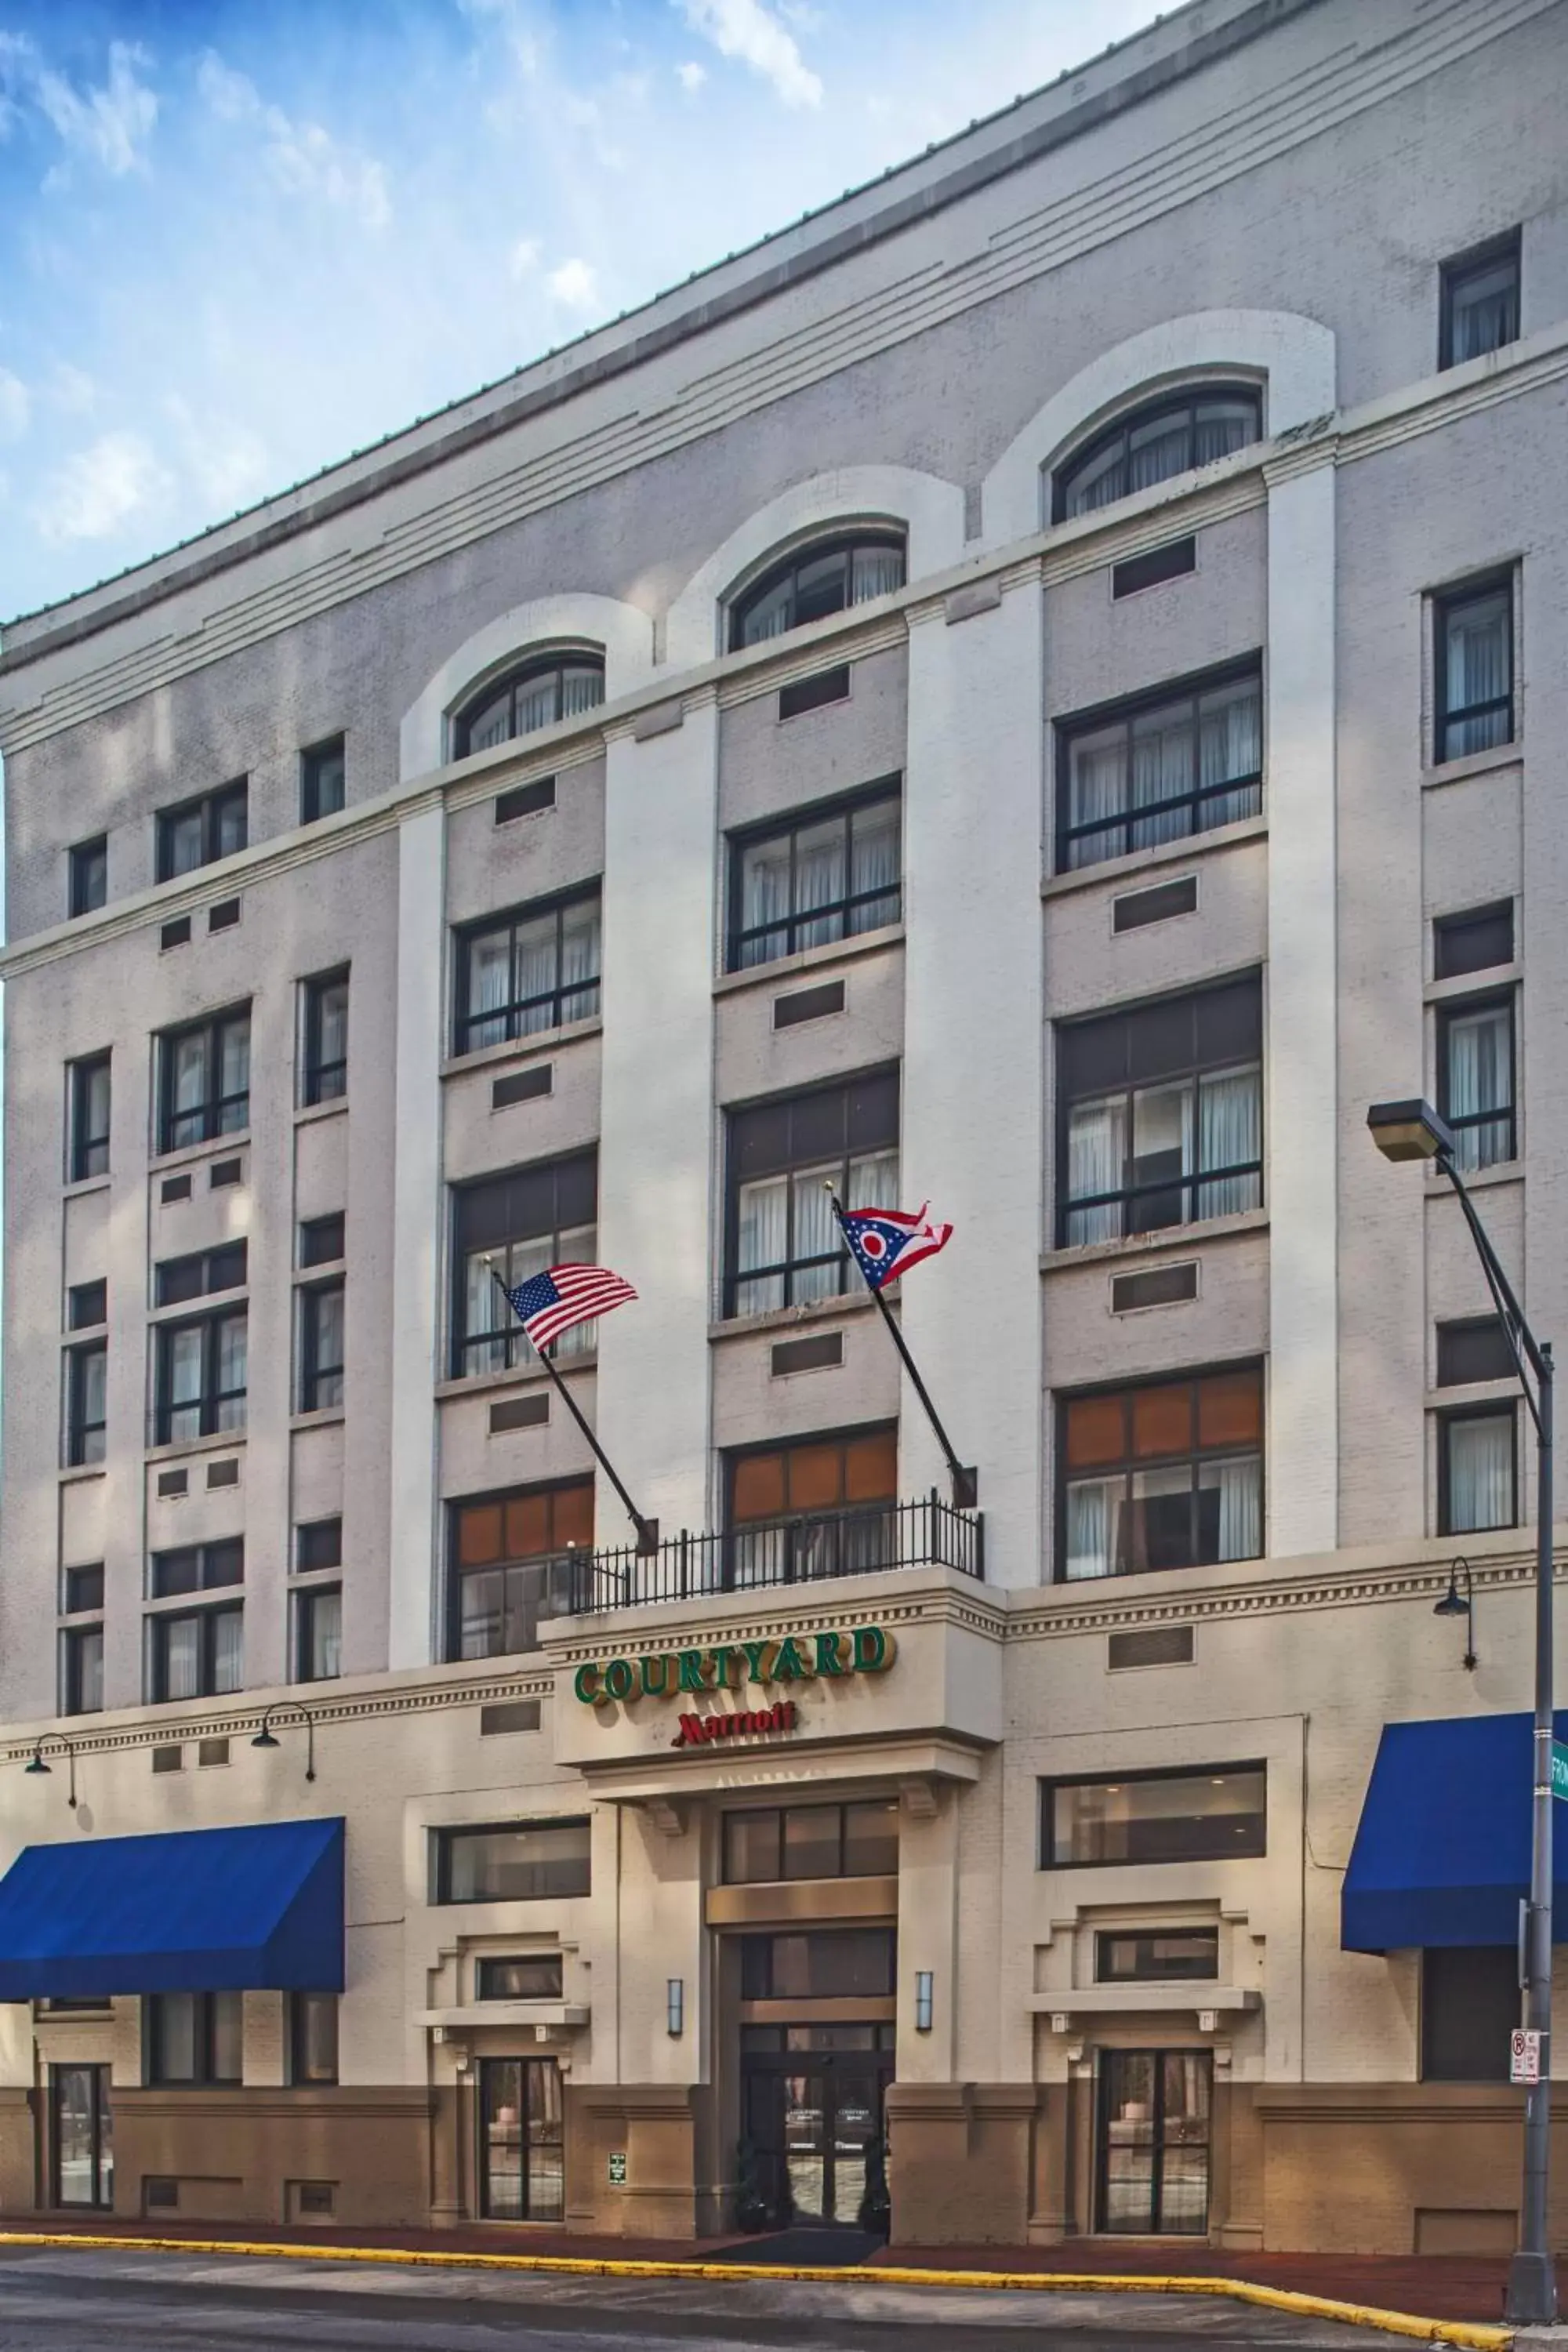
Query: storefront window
[[854, 1841], [523, 2175], [844, 1964], [517, 1862]]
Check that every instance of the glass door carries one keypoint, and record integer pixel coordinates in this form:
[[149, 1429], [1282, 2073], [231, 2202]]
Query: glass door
[[1154, 2142], [521, 2152], [83, 2136], [813, 2113]]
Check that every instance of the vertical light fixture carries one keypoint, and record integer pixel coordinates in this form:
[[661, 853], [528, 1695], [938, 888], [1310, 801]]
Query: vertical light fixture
[[925, 1989], [675, 2005]]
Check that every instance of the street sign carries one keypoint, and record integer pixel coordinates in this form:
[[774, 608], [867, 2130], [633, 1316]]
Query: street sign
[[618, 2168], [1523, 2056], [1559, 1769]]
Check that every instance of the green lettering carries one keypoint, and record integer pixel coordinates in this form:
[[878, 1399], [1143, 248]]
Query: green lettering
[[620, 1679], [585, 1683], [655, 1674], [790, 1665], [758, 1659], [830, 1654], [693, 1674], [726, 1663], [873, 1650]]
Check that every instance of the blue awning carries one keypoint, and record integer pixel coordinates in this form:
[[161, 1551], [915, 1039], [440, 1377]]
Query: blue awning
[[1442, 1851], [191, 1911]]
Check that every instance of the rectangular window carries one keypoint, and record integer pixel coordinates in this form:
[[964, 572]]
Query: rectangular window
[[194, 2038], [178, 1279], [1160, 1115], [536, 1976], [197, 832], [842, 1964], [525, 800], [822, 1506], [196, 1568], [1470, 2003], [87, 1306], [90, 1102], [205, 1080], [320, 1346], [321, 1240], [1475, 1080], [1473, 668], [90, 874], [195, 1654], [516, 1560], [82, 1588], [1212, 1815], [515, 1226], [523, 2169], [1473, 1348], [319, 1637], [1165, 1475], [782, 1246], [827, 876], [1474, 941], [1479, 301], [1477, 1482], [82, 1670], [321, 777], [782, 1842], [532, 970], [318, 1543], [1167, 1956], [520, 1861], [313, 2037], [202, 1372], [324, 1070], [1159, 768], [87, 1412]]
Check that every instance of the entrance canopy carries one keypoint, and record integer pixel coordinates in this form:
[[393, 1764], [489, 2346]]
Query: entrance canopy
[[192, 1911], [1442, 1852]]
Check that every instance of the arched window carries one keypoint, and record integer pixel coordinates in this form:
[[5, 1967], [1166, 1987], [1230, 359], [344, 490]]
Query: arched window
[[1165, 436], [559, 684], [826, 577]]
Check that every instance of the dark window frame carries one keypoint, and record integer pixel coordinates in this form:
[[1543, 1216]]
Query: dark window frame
[[323, 1079], [1453, 1333], [1125, 711], [801, 1545], [1069, 470], [312, 1527], [212, 1560], [313, 1228], [1127, 1467], [87, 1440], [512, 1014], [308, 1602], [489, 1963], [212, 807], [503, 1336], [1449, 931], [841, 1806], [75, 1641], [315, 764], [743, 602], [210, 1267], [203, 2076], [529, 672], [89, 1145], [213, 1399], [1452, 273], [88, 875], [1462, 1122], [302, 2072], [1205, 1773], [790, 1267], [214, 1115], [444, 1840], [554, 1567], [887, 791], [1450, 1417], [206, 1616], [86, 1305], [1145, 1970], [1446, 717], [322, 1381], [759, 1959], [1501, 1963]]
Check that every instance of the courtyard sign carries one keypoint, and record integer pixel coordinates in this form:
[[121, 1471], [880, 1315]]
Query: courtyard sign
[[671, 1674]]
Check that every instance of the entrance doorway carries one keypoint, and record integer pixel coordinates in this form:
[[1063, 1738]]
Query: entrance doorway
[[1153, 2142], [523, 2175], [812, 2100], [83, 2135]]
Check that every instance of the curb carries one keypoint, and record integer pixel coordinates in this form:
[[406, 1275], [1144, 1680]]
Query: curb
[[1473, 2333]]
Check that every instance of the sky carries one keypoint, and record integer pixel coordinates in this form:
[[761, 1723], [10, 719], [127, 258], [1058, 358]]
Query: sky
[[240, 238]]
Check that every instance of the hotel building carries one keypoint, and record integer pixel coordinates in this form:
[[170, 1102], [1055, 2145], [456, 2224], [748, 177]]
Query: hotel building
[[1041, 689]]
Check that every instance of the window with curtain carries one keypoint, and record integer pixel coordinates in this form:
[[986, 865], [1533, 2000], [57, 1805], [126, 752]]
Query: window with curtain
[[1475, 1080], [214, 825], [1162, 438], [1160, 1115], [822, 1506], [541, 690], [87, 1410], [826, 577], [90, 1105], [1473, 668], [515, 1563], [1160, 767], [826, 876], [529, 971], [1478, 1457], [1479, 301], [194, 1654], [324, 1072], [320, 1347], [205, 1080], [1211, 1813], [1165, 1475], [513, 1226], [202, 1375], [783, 1245], [194, 2038], [319, 1640]]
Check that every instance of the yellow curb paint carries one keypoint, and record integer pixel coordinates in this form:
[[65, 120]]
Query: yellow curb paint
[[1472, 2333]]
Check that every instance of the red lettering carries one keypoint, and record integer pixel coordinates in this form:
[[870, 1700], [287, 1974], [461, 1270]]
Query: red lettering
[[698, 1730], [690, 1732]]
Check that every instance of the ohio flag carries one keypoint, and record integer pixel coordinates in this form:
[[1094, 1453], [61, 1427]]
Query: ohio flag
[[886, 1241]]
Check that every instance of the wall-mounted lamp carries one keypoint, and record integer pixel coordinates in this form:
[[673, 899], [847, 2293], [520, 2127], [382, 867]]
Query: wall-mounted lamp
[[264, 1737], [675, 2005], [1453, 1605], [57, 1739], [925, 1999]]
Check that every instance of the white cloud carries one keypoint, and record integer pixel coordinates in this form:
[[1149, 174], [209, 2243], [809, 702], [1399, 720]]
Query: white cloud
[[523, 259], [745, 30], [304, 158], [100, 488], [574, 286], [515, 28], [110, 125], [691, 76], [72, 390], [230, 465], [15, 406]]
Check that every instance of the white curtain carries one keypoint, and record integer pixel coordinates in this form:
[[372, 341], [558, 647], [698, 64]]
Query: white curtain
[[771, 615], [1219, 427], [1161, 771], [1158, 451], [579, 961], [762, 1239], [182, 1646], [874, 865], [538, 703], [1093, 1508], [327, 1626], [1097, 791], [582, 690], [1103, 481], [1477, 671], [1240, 1508], [877, 571], [815, 1231], [873, 1182], [231, 1370], [535, 974], [1480, 1473], [1230, 1109], [492, 724], [228, 1650], [1480, 1078], [1230, 744], [1483, 315], [490, 988], [1097, 1160], [764, 899], [819, 881]]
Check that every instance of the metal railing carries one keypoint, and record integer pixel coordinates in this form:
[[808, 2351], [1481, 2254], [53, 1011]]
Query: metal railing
[[927, 1533]]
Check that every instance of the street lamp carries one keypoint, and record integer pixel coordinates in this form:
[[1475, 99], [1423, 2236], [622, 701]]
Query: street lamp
[[57, 1739], [266, 1737], [1413, 1130], [1456, 1604]]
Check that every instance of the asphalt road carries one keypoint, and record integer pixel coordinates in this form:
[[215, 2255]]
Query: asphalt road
[[56, 2300]]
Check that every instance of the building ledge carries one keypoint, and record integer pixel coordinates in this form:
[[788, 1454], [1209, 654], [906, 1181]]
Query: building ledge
[[523, 1049], [479, 2014], [1182, 1239], [1197, 1999], [1118, 874], [783, 968], [1473, 763]]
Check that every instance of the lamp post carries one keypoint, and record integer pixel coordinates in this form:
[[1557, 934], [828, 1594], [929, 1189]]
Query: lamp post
[[1413, 1130], [1456, 1604], [53, 1739], [266, 1737]]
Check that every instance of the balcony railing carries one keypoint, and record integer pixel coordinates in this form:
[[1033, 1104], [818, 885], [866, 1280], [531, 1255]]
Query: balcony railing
[[928, 1533]]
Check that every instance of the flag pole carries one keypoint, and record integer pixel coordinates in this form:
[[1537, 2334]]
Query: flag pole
[[648, 1529], [966, 1479]]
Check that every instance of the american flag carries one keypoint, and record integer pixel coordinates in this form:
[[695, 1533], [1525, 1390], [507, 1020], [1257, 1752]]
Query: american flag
[[886, 1241], [549, 1303]]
